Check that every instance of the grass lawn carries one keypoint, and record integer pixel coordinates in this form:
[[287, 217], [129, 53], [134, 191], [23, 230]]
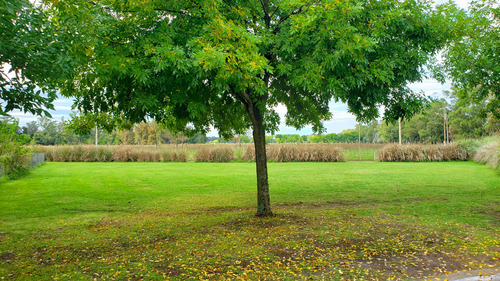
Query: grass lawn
[[366, 154], [338, 221]]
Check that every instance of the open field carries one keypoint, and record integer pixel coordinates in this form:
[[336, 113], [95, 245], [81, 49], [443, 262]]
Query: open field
[[338, 221]]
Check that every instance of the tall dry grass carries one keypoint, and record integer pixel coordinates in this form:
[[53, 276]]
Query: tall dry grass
[[215, 154], [489, 153], [126, 153], [420, 153], [298, 153]]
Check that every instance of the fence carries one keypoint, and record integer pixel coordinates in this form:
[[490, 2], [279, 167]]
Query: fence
[[37, 159]]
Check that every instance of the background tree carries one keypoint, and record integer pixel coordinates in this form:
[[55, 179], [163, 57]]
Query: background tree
[[369, 132], [31, 128], [229, 63], [48, 133], [388, 132], [465, 118], [200, 138], [126, 136], [433, 131], [141, 132], [349, 135], [472, 59]]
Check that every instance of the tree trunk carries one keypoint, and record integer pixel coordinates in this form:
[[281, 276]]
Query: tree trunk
[[259, 138]]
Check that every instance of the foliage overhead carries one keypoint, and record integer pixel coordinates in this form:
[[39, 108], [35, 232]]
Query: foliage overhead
[[205, 63], [472, 59], [31, 55]]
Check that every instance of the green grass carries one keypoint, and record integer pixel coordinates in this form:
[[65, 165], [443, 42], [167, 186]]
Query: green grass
[[366, 154], [350, 220]]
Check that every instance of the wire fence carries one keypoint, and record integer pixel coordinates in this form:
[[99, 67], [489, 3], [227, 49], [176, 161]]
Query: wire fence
[[37, 159]]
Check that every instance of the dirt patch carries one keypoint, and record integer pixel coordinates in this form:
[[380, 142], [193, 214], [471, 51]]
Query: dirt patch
[[419, 199], [289, 255], [161, 238], [411, 265], [220, 209], [322, 205], [263, 223], [493, 211], [421, 264], [170, 271], [7, 257]]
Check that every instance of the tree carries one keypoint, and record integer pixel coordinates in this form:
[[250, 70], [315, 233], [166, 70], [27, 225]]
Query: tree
[[411, 128], [141, 132], [388, 132], [31, 128], [31, 57], [349, 135], [198, 138], [472, 59], [433, 131], [229, 63], [126, 136], [14, 157], [48, 132], [465, 118], [369, 132]]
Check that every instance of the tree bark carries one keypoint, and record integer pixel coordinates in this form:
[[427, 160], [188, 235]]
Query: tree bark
[[259, 138]]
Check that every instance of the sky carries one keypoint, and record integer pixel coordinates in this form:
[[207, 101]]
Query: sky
[[340, 121]]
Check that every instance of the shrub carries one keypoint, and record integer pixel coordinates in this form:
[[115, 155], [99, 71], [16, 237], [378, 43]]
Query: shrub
[[420, 153], [90, 154], [299, 153], [14, 157], [203, 155], [489, 154], [103, 154], [470, 146], [173, 156], [121, 153], [453, 152], [215, 154], [181, 156], [249, 154]]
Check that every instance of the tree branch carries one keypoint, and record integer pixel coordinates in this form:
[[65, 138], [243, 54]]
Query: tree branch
[[239, 97], [296, 12], [182, 12], [275, 10]]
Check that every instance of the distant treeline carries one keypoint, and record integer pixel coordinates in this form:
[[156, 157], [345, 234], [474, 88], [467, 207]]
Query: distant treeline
[[455, 120]]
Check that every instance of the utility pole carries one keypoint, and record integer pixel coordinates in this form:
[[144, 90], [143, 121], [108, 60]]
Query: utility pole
[[445, 133], [399, 121], [96, 135], [359, 141]]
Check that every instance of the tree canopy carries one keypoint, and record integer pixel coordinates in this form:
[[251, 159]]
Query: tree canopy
[[228, 63], [472, 59], [31, 55]]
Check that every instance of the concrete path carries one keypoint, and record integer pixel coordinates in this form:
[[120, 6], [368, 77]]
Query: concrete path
[[489, 274]]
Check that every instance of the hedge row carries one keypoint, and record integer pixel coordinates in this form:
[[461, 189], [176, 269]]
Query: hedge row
[[299, 153], [90, 153], [275, 153], [421, 153], [489, 153]]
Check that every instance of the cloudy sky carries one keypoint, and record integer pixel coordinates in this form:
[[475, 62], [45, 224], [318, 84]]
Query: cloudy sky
[[341, 120]]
